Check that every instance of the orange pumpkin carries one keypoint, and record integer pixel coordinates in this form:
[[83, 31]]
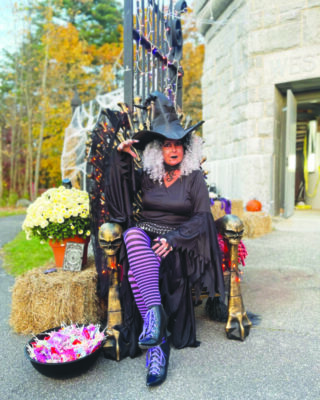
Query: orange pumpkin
[[254, 205]]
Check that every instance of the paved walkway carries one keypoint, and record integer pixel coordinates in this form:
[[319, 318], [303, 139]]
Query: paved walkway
[[279, 360], [302, 221]]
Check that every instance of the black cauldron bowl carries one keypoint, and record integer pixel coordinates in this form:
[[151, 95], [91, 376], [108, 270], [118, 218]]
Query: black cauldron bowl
[[63, 370]]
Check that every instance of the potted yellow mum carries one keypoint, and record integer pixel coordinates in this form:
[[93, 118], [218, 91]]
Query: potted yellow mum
[[58, 215]]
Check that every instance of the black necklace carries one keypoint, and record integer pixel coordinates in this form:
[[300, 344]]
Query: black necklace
[[169, 168]]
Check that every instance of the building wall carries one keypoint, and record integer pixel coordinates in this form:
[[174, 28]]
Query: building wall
[[251, 46]]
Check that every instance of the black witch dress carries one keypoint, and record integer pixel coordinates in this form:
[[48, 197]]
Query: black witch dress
[[181, 214]]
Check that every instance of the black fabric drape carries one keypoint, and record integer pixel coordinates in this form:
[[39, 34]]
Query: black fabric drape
[[120, 188]]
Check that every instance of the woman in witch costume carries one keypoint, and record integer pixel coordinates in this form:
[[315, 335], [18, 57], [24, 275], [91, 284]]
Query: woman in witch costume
[[174, 246]]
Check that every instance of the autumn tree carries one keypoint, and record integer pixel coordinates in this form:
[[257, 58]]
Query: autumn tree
[[192, 63], [65, 45], [69, 58], [38, 79]]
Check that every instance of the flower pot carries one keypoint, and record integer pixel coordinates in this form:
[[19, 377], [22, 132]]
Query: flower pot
[[59, 249]]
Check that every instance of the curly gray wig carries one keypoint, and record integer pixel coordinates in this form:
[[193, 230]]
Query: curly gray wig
[[152, 158]]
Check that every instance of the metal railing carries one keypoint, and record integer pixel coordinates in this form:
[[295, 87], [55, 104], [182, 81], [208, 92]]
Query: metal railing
[[153, 49]]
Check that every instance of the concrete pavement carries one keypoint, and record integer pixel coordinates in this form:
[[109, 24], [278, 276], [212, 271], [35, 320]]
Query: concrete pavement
[[279, 360]]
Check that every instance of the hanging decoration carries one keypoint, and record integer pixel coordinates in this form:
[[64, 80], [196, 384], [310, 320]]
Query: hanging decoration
[[158, 49], [84, 120]]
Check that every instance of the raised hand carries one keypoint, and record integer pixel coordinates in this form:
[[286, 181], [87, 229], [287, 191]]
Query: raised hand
[[126, 147]]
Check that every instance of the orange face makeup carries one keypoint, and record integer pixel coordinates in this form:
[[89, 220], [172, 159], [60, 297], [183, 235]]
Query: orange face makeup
[[172, 151]]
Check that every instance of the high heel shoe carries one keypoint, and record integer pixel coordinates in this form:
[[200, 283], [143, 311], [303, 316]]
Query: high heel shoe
[[154, 328], [157, 362]]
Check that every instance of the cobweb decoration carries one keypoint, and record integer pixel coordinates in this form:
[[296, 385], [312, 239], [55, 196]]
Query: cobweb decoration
[[84, 119]]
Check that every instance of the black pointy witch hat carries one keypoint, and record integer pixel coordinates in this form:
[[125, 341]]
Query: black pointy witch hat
[[165, 123]]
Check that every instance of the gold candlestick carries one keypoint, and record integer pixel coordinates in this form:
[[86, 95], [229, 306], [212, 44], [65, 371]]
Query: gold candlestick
[[238, 324]]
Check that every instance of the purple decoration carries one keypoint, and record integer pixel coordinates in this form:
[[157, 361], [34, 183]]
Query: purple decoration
[[225, 204]]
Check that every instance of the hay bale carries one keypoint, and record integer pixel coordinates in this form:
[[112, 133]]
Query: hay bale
[[256, 223], [219, 212], [43, 301], [237, 208]]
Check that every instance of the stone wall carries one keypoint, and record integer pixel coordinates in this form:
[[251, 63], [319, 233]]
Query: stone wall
[[250, 47]]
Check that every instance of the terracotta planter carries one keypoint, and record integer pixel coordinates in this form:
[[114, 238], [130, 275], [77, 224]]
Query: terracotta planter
[[59, 249]]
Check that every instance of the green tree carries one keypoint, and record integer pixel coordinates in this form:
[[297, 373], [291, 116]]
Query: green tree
[[97, 21]]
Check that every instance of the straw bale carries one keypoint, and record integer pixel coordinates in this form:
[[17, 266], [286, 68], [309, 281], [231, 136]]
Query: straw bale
[[216, 210], [236, 209], [43, 301], [256, 223]]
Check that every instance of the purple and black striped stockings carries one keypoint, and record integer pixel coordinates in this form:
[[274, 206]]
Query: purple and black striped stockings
[[144, 269]]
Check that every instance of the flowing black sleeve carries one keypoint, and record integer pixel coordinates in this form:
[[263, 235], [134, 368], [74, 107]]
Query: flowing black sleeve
[[197, 239], [120, 188]]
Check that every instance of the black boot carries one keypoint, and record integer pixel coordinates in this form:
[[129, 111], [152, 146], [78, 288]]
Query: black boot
[[154, 328], [157, 363]]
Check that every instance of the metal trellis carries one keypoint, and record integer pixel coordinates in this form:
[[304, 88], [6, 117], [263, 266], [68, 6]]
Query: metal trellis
[[153, 49]]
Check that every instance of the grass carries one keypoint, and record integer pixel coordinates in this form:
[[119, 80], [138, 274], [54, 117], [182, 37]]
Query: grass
[[8, 211], [21, 255]]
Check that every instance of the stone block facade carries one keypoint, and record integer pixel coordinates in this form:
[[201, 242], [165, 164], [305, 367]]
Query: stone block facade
[[251, 47]]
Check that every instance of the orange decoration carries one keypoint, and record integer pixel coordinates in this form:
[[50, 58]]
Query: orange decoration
[[254, 205]]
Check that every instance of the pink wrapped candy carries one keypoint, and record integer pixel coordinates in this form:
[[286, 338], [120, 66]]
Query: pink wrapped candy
[[69, 343]]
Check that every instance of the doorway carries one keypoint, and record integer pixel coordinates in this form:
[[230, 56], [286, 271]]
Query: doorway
[[296, 165]]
